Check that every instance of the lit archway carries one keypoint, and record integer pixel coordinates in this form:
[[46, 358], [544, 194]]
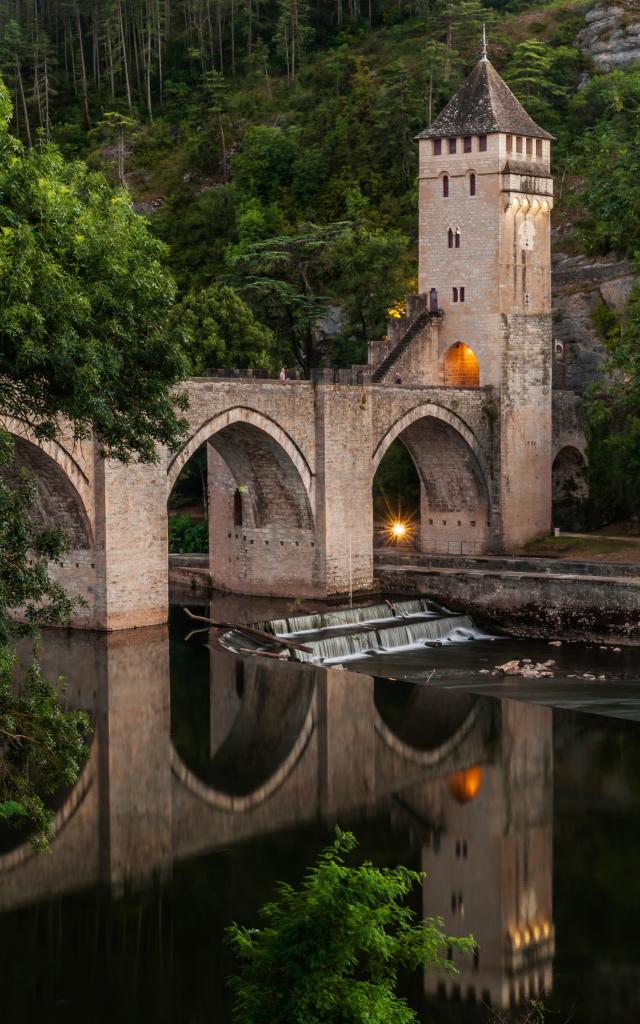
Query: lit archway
[[455, 509], [461, 367]]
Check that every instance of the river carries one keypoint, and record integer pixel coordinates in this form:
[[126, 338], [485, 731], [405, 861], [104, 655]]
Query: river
[[211, 776]]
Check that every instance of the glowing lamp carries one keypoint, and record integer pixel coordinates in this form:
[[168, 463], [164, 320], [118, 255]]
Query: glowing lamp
[[398, 530], [465, 785]]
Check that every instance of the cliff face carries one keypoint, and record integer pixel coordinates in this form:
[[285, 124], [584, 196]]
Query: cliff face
[[611, 36], [580, 284]]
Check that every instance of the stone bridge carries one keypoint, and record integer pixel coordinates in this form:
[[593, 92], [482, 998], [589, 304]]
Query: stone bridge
[[280, 746], [290, 469], [287, 744]]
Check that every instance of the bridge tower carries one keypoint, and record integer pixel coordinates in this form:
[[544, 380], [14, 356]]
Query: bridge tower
[[486, 194]]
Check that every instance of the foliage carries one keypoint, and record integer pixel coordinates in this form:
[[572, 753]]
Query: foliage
[[84, 303], [42, 747], [331, 950], [613, 419], [607, 158], [188, 535], [218, 329], [396, 485]]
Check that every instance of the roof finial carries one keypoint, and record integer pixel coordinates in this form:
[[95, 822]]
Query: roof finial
[[485, 55]]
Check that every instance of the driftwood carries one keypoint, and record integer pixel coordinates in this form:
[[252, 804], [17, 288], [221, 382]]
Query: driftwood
[[259, 634]]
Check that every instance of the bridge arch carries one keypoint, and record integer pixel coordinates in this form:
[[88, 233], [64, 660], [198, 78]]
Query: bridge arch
[[267, 722], [432, 730], [63, 489], [259, 503], [242, 414], [455, 499]]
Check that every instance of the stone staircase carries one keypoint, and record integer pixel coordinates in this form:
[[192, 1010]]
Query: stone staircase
[[414, 329]]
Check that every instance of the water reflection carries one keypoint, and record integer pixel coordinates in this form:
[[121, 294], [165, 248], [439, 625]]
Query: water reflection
[[210, 777]]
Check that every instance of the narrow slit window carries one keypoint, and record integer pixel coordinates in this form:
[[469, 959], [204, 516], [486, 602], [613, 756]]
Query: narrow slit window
[[472, 184], [467, 143], [482, 143], [462, 295], [457, 239], [452, 145], [529, 147], [518, 144], [437, 147], [450, 238], [509, 143], [445, 186], [538, 148], [455, 294], [237, 509]]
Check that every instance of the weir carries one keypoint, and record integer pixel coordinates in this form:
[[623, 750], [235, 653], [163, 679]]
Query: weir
[[336, 636]]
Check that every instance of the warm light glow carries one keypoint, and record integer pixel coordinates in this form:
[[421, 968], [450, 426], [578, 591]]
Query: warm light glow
[[461, 367], [465, 785], [536, 932], [398, 531]]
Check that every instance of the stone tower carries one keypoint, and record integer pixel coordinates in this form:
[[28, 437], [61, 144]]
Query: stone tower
[[485, 199], [482, 318]]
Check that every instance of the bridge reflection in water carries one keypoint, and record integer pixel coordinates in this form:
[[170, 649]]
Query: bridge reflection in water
[[249, 748]]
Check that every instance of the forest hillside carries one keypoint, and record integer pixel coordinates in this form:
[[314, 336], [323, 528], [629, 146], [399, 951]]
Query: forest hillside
[[271, 145]]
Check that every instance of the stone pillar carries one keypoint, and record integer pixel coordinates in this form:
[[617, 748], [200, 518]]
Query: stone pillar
[[131, 545], [135, 757], [347, 743], [344, 504], [526, 456]]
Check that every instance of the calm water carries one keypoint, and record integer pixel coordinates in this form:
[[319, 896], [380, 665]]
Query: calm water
[[212, 776]]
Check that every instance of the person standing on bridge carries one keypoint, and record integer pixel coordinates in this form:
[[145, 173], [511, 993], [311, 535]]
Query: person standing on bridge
[[283, 374]]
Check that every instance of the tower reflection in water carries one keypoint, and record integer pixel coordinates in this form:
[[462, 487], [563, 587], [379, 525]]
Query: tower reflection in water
[[248, 748]]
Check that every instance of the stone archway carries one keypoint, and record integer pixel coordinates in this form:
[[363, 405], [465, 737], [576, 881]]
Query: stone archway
[[569, 489], [57, 501], [461, 368], [455, 506], [260, 504]]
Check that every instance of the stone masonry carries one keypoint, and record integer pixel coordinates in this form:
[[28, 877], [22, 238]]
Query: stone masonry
[[464, 381]]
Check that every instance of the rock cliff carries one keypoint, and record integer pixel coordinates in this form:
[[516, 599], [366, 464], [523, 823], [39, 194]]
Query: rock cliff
[[580, 284], [611, 36]]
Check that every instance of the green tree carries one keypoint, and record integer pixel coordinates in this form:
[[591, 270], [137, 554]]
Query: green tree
[[218, 329], [372, 269], [115, 127], [331, 950], [283, 277], [613, 418], [84, 303]]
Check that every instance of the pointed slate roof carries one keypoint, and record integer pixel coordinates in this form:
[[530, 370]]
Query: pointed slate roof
[[483, 105]]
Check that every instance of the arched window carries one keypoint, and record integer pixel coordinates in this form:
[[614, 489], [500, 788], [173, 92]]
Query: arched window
[[472, 184], [457, 238], [445, 186], [450, 238], [461, 367]]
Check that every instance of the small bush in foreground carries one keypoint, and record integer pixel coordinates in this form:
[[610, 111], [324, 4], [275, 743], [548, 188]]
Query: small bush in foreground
[[331, 950]]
